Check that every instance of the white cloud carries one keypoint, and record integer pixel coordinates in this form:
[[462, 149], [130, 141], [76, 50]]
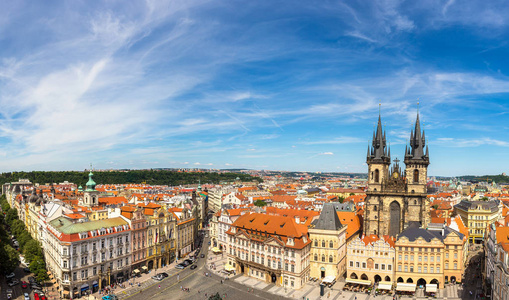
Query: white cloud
[[326, 153], [471, 142]]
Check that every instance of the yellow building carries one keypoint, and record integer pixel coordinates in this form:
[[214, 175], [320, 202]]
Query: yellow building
[[328, 247], [477, 216], [430, 257], [160, 236]]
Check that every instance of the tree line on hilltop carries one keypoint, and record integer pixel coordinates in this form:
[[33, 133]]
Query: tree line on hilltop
[[152, 177]]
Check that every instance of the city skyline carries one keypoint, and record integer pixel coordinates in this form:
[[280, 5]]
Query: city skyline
[[263, 85]]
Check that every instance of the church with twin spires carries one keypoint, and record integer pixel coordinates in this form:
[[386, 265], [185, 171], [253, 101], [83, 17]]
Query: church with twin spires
[[396, 197]]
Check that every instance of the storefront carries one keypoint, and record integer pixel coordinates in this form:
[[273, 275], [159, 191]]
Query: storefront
[[84, 289]]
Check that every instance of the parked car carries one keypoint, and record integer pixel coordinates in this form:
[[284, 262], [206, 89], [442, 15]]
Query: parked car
[[164, 274], [24, 284], [9, 291], [9, 276], [26, 296], [36, 296], [36, 287], [193, 267], [202, 255], [180, 266], [158, 277], [13, 282], [43, 297]]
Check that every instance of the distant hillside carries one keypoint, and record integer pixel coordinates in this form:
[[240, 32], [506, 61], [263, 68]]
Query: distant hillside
[[490, 178], [153, 177]]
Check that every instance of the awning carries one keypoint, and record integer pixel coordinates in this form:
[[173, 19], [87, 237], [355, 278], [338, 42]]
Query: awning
[[65, 293], [53, 281], [385, 285], [216, 250], [328, 279], [358, 281], [136, 271], [431, 288], [144, 268], [229, 268], [405, 287]]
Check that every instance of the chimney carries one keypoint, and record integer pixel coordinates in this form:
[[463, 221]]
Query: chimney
[[297, 219]]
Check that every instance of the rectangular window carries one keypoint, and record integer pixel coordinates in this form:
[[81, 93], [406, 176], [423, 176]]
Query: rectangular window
[[431, 269], [364, 265], [383, 266], [455, 266], [438, 269], [399, 268], [406, 268], [447, 255], [447, 265], [406, 257], [376, 266], [351, 263], [438, 258], [389, 267], [419, 269], [425, 269], [293, 268]]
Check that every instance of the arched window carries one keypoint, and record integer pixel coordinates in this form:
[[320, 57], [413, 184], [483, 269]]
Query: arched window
[[316, 243], [375, 208], [375, 232], [316, 257], [331, 244], [323, 244], [377, 175], [416, 175], [323, 257], [415, 202], [330, 258]]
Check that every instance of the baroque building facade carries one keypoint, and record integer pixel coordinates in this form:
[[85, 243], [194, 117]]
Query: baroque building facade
[[395, 197]]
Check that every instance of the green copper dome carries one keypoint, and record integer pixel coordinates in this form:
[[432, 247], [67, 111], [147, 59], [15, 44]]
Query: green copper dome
[[91, 183], [80, 188]]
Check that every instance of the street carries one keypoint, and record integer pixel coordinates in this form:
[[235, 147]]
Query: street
[[199, 285]]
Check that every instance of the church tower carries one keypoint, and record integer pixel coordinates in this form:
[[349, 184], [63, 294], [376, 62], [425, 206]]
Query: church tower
[[417, 160], [378, 159], [90, 195]]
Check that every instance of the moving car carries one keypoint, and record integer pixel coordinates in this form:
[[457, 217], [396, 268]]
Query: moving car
[[202, 255], [158, 277], [164, 274], [180, 266], [9, 296], [9, 276], [26, 296], [193, 267], [110, 297]]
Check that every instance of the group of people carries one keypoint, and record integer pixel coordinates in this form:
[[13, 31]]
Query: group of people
[[185, 289]]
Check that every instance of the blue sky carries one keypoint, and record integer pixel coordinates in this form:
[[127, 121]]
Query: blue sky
[[281, 85]]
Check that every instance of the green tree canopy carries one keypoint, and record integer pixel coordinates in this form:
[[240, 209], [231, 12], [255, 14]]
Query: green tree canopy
[[260, 203]]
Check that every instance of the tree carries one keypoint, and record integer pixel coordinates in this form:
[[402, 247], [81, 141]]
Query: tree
[[32, 250], [12, 214], [485, 199], [9, 258], [38, 267], [215, 297], [340, 199], [435, 206], [260, 203]]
